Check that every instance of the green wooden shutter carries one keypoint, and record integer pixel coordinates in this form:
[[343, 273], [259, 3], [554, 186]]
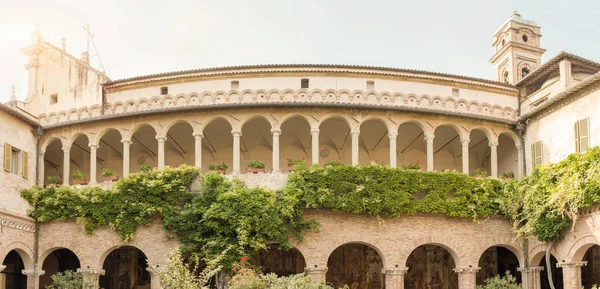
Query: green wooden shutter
[[7, 157], [584, 134], [25, 172], [577, 144]]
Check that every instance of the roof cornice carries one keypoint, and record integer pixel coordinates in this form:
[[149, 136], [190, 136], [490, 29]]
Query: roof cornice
[[554, 61]]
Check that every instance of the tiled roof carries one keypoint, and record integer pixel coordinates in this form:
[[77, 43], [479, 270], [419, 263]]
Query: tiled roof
[[19, 114], [555, 60]]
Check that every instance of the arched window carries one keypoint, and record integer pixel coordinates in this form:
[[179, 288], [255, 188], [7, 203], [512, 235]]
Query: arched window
[[524, 72], [505, 77]]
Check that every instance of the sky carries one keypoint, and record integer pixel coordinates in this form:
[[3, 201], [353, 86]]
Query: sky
[[145, 37]]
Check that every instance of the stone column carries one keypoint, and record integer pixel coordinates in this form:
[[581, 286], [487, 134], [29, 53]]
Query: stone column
[[66, 165], [533, 276], [571, 274], [198, 150], [429, 140], [236, 151], [276, 132], [394, 277], [465, 155], [126, 144], [520, 171], [2, 277], [93, 150], [154, 277], [467, 277], [41, 165], [393, 159], [91, 277], [494, 158], [315, 146], [33, 276], [317, 274], [161, 151], [355, 134]]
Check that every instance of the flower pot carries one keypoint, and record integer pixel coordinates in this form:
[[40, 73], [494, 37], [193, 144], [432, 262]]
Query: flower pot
[[80, 182], [111, 178], [255, 170], [291, 169], [219, 171]]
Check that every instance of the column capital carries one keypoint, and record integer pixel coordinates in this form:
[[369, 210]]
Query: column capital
[[89, 271], [531, 269], [429, 137], [571, 264], [66, 149], [126, 141], [236, 132], [93, 146], [465, 141], [466, 270], [493, 144], [157, 269], [33, 272], [275, 131], [392, 134], [161, 138], [2, 267], [355, 133], [313, 270], [198, 135], [314, 131], [519, 146], [42, 153], [395, 271]]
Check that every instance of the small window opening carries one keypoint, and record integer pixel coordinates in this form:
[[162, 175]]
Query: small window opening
[[455, 92], [235, 85], [14, 166], [54, 98], [370, 85], [304, 83], [505, 77], [164, 90], [503, 42], [525, 38], [524, 72]]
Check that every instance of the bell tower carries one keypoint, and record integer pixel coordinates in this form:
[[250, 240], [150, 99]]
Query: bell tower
[[517, 49]]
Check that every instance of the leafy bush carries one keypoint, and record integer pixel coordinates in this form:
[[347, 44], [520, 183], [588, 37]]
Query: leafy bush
[[291, 162], [416, 166], [78, 175], [332, 163], [53, 180], [69, 280], [106, 172], [146, 169], [256, 164], [508, 175], [479, 173], [498, 282], [216, 167], [251, 280]]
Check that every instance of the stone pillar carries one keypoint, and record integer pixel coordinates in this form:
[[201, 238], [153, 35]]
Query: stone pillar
[[161, 151], [236, 151], [315, 146], [318, 274], [467, 277], [276, 132], [465, 155], [66, 165], [394, 277], [520, 169], [566, 76], [91, 277], [533, 277], [154, 277], [355, 134], [33, 278], [126, 144], [198, 150], [494, 159], [2, 277], [571, 274], [41, 165], [393, 159], [93, 150], [429, 140]]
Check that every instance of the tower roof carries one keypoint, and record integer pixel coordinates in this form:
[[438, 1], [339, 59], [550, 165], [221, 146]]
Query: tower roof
[[516, 17]]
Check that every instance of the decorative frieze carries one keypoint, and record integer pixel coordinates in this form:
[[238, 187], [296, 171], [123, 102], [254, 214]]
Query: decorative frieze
[[16, 223]]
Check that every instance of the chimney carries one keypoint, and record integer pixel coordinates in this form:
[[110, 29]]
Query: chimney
[[85, 57], [64, 44], [13, 96]]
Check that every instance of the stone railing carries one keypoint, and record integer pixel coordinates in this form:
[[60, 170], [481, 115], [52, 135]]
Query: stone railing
[[234, 98]]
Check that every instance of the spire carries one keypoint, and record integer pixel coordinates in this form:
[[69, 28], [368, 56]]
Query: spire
[[36, 36], [13, 96]]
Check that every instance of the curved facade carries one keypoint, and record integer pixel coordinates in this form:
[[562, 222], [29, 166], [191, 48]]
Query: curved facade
[[272, 113]]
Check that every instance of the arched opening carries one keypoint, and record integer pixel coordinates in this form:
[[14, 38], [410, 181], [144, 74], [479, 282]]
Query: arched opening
[[59, 260], [525, 70], [447, 149], [53, 163], [256, 143], [355, 265], [479, 152], [497, 260], [374, 142], [125, 268], [217, 144], [12, 275], [143, 149], [411, 146], [508, 157], [280, 262], [79, 164], [179, 148], [557, 274], [505, 77], [430, 266], [590, 274], [110, 155], [335, 141], [295, 141]]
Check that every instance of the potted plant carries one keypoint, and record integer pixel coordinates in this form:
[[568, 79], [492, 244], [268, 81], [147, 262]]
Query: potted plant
[[109, 175], [146, 169], [78, 178], [291, 163], [219, 168], [412, 166], [53, 181], [255, 167], [478, 173], [508, 175], [332, 163]]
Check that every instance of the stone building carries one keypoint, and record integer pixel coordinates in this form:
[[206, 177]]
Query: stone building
[[74, 118]]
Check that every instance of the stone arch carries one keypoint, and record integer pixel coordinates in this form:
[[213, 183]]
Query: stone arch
[[512, 135], [23, 250], [295, 140], [447, 244], [50, 140], [578, 249], [374, 141], [106, 250], [538, 253], [281, 262], [338, 116], [372, 245], [299, 115], [125, 265], [195, 127], [58, 259], [497, 259], [459, 131], [103, 132], [217, 141], [245, 120], [388, 125], [138, 126], [74, 137], [447, 148], [365, 261], [335, 140], [63, 245]]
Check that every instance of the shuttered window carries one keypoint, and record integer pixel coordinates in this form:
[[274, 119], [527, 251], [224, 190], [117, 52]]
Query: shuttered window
[[582, 135], [25, 166], [16, 161], [537, 150], [7, 157]]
